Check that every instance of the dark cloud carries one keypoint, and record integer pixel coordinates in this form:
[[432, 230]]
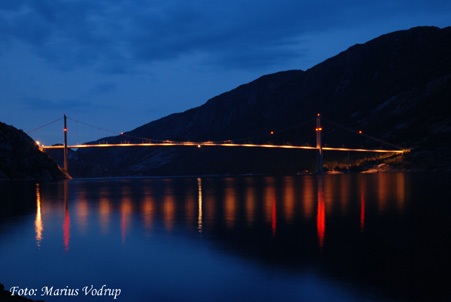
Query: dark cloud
[[116, 36]]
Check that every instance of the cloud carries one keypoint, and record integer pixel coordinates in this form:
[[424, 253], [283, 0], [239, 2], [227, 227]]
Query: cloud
[[120, 36]]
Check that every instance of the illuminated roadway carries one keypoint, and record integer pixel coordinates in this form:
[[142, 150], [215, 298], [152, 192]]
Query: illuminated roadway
[[211, 144]]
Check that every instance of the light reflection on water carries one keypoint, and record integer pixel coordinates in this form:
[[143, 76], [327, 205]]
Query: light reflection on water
[[335, 230], [321, 214], [199, 210], [38, 221]]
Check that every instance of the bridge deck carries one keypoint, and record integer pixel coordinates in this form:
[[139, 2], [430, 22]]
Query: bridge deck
[[200, 144]]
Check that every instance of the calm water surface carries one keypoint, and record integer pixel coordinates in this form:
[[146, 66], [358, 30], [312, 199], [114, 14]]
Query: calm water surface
[[384, 237]]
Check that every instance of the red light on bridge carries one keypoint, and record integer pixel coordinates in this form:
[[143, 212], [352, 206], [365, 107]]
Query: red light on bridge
[[65, 129], [272, 132], [360, 131], [318, 129], [319, 114]]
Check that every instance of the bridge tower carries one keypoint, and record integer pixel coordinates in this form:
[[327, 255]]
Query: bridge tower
[[319, 155], [65, 143]]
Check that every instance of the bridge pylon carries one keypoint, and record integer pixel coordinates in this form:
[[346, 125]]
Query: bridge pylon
[[65, 143], [319, 154]]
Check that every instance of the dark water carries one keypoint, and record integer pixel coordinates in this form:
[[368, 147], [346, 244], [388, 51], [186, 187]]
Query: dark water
[[382, 237]]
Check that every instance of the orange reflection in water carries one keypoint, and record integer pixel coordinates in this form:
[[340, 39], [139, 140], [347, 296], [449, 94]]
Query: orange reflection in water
[[270, 192], [331, 192], [309, 198], [384, 183], [148, 210], [126, 210], [401, 189], [250, 203], [230, 202], [321, 214], [344, 189], [169, 209], [289, 199], [38, 225], [191, 205], [104, 211], [208, 205], [82, 212]]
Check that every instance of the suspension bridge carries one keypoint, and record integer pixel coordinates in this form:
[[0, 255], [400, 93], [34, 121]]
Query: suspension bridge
[[148, 142]]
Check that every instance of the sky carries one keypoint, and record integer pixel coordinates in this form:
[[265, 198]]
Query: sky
[[119, 64]]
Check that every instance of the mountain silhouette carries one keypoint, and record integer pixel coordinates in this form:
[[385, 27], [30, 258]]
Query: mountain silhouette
[[395, 88]]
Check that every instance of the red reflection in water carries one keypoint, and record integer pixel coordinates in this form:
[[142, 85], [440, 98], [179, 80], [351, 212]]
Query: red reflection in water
[[66, 229], [66, 225], [321, 215]]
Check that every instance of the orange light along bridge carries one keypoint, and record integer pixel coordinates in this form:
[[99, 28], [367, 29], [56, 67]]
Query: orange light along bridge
[[212, 144], [169, 143]]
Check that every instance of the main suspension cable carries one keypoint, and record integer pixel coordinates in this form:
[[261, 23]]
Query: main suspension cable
[[45, 125], [365, 135]]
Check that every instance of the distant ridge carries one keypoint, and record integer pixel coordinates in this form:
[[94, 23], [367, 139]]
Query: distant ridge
[[396, 87]]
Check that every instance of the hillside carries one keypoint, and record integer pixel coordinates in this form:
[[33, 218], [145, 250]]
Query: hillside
[[20, 157], [395, 87]]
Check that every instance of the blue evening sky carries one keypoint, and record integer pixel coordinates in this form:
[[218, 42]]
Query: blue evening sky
[[119, 64]]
